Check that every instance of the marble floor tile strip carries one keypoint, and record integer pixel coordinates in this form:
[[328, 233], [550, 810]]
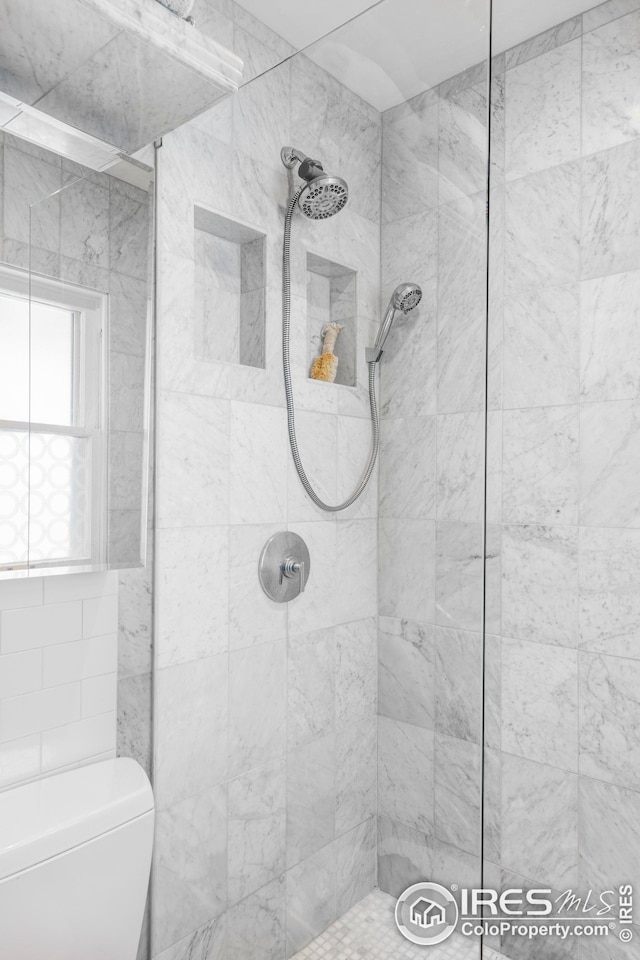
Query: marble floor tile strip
[[368, 932]]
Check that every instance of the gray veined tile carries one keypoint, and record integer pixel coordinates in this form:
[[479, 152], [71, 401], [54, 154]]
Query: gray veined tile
[[405, 774], [462, 240], [257, 707], [609, 464], [542, 229], [609, 597], [540, 584], [608, 857], [541, 465], [408, 378], [610, 215], [356, 774], [406, 672], [460, 473], [84, 222], [356, 671], [406, 581], [462, 157], [355, 865], [409, 162], [253, 617], [459, 684], [407, 468], [610, 337], [461, 358], [606, 12], [256, 925], [611, 74], [257, 829], [540, 822], [311, 898], [543, 111], [457, 792], [311, 798], [409, 250], [356, 570], [610, 719], [541, 333], [207, 943], [31, 210], [311, 686], [404, 856], [543, 42], [540, 703], [460, 575]]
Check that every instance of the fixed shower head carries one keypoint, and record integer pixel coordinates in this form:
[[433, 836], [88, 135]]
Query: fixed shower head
[[404, 298], [323, 195]]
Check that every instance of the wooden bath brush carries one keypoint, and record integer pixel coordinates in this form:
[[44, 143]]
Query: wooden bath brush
[[325, 366]]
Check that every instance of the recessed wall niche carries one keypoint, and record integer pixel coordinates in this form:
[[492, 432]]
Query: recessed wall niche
[[229, 290], [331, 297]]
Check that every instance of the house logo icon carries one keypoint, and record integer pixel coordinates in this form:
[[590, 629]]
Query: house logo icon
[[426, 913]]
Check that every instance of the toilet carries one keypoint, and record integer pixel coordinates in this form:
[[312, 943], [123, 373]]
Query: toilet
[[75, 856]]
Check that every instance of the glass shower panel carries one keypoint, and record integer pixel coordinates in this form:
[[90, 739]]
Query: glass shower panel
[[561, 786]]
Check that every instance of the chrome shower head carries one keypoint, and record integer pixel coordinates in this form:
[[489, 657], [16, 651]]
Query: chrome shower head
[[324, 195], [404, 298]]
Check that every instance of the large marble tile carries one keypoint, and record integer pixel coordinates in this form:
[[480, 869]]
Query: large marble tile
[[540, 703], [460, 467], [255, 131], [543, 111], [253, 616], [355, 865], [610, 78], [207, 943], [361, 153], [609, 462], [356, 774], [317, 435], [356, 595], [606, 12], [609, 596], [462, 253], [128, 298], [540, 822], [406, 672], [611, 857], [542, 229], [459, 684], [609, 337], [407, 468], [311, 686], [356, 671], [134, 718], [84, 222], [541, 331], [354, 444], [404, 856], [311, 798], [543, 42], [610, 215], [316, 114], [190, 873], [134, 620], [31, 210], [257, 829], [540, 449], [540, 584], [257, 705], [458, 793], [409, 161], [463, 143], [409, 251], [193, 588], [191, 702], [311, 898], [258, 464], [524, 947], [461, 358], [408, 374], [193, 460], [406, 774], [129, 217], [256, 925], [460, 588], [406, 585], [610, 719]]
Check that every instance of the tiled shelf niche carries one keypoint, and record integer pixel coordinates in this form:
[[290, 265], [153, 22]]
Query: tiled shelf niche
[[331, 296], [229, 290]]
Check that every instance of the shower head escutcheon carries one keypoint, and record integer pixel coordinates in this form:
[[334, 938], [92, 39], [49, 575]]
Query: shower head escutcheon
[[323, 195], [404, 298]]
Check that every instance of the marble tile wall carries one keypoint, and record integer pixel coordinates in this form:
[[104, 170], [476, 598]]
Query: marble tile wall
[[562, 738], [265, 731], [431, 489]]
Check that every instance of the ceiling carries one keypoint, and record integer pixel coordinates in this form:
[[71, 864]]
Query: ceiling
[[395, 49]]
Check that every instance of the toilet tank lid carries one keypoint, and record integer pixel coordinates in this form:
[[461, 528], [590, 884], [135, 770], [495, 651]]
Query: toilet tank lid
[[44, 818]]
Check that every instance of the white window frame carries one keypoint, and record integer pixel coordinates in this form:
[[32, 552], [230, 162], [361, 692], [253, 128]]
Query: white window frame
[[90, 309]]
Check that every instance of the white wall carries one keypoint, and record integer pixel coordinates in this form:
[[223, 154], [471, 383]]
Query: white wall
[[58, 673]]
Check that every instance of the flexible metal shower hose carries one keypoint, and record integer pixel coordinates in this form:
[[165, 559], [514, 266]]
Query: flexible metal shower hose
[[286, 363]]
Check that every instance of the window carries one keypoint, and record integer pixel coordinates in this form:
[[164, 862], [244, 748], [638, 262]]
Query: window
[[52, 422]]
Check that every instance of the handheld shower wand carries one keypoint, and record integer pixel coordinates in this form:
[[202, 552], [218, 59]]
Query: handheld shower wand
[[403, 299]]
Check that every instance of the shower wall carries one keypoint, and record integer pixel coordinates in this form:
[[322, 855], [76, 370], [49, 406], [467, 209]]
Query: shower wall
[[265, 731], [431, 489], [563, 671]]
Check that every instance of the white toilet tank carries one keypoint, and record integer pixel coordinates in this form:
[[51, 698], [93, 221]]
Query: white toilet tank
[[75, 855]]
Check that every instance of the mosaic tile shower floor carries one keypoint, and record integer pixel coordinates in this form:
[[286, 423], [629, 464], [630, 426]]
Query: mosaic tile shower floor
[[368, 932]]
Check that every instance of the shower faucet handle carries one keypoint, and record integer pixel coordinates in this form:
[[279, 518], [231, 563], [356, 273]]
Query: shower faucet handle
[[290, 568]]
